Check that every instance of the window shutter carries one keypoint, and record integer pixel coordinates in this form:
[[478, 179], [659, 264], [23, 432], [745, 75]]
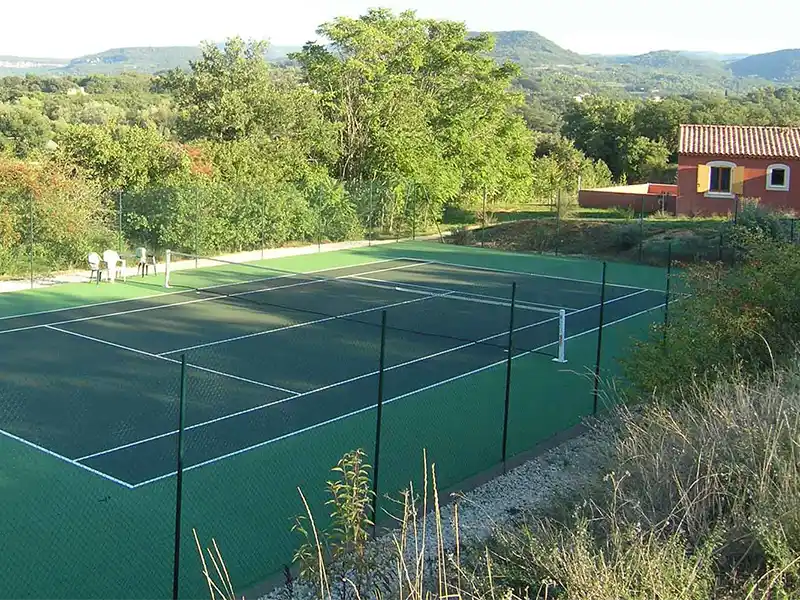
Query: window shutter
[[737, 185], [703, 178]]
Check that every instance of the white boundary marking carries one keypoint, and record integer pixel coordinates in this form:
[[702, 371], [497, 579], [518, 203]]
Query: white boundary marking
[[149, 296], [198, 300], [412, 288], [303, 324], [357, 378], [389, 401], [510, 272], [65, 459], [172, 360]]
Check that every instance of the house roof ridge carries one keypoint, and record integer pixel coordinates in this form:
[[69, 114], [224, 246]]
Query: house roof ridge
[[742, 141]]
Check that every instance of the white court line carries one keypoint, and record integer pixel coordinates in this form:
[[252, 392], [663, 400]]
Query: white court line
[[509, 272], [65, 459], [389, 401], [198, 300], [172, 360], [421, 289], [107, 302], [303, 324], [353, 379]]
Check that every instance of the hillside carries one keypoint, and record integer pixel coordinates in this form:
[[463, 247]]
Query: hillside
[[140, 59], [659, 72], [672, 60], [781, 66], [532, 51]]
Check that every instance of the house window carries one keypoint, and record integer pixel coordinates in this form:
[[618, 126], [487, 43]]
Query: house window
[[720, 180], [778, 178]]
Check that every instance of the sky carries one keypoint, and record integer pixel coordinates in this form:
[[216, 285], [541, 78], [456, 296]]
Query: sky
[[71, 28]]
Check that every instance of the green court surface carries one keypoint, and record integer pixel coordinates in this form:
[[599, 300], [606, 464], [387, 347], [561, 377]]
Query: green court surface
[[282, 379]]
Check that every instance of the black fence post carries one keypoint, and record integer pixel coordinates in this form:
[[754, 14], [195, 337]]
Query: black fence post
[[196, 227], [641, 230], [601, 323], [263, 225], [483, 219], [558, 221], [30, 238], [414, 213], [378, 427], [721, 243], [319, 220], [666, 293], [791, 229], [371, 215], [736, 210], [119, 221], [179, 484], [509, 358]]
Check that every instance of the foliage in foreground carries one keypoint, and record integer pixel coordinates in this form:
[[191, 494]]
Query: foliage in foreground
[[746, 316], [704, 503]]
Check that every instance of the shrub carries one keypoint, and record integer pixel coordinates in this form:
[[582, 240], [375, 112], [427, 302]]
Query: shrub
[[56, 215], [746, 316]]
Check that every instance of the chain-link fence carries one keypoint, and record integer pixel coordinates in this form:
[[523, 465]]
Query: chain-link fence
[[124, 437], [639, 233], [47, 235]]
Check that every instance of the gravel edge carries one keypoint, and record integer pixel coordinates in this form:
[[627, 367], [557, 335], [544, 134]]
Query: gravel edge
[[531, 488]]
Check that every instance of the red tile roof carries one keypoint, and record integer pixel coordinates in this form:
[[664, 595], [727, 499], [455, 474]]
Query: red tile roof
[[740, 141]]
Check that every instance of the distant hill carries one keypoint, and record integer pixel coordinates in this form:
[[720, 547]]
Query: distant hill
[[782, 66], [671, 60], [118, 60], [714, 55], [653, 74], [531, 50]]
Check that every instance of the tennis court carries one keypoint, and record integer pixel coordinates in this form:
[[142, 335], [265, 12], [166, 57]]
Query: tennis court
[[277, 357]]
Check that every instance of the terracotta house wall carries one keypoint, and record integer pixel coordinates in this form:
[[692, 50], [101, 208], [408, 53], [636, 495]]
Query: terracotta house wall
[[755, 186], [607, 199]]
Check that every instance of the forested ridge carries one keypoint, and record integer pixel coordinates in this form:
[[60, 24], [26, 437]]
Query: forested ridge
[[390, 121]]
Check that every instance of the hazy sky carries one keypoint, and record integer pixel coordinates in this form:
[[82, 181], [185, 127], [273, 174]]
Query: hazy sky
[[64, 28]]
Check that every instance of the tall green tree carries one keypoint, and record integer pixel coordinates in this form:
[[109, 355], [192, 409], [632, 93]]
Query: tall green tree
[[418, 99]]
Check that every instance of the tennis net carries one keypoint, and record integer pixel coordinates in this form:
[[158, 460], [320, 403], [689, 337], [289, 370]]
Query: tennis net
[[348, 293]]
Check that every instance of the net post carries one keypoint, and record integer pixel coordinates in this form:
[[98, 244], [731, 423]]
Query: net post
[[179, 484], [596, 391], [167, 266], [378, 427], [562, 337], [509, 358]]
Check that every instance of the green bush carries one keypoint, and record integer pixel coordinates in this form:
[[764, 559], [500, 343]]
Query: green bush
[[743, 317]]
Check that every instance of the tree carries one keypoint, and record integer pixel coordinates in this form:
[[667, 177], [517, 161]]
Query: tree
[[121, 157], [602, 128], [418, 100], [23, 129]]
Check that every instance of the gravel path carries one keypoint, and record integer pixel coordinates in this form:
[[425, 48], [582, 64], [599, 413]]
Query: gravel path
[[529, 488]]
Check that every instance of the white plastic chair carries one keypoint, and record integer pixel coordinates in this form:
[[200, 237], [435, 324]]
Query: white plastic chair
[[144, 260], [114, 265], [94, 266]]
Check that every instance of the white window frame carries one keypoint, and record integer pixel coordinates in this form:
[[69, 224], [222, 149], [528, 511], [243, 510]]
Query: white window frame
[[778, 188], [720, 163]]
